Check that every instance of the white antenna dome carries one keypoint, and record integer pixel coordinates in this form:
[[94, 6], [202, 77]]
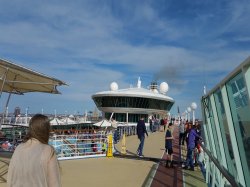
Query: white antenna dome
[[113, 86], [163, 87]]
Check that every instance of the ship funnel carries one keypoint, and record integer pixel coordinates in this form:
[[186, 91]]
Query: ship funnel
[[154, 87]]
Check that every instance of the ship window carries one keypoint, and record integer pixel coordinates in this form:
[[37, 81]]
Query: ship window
[[132, 102]]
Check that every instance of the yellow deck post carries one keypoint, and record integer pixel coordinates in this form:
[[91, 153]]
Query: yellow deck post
[[110, 146], [124, 151]]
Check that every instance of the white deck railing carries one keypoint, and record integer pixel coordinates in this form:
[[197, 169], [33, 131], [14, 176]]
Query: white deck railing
[[21, 121], [79, 145]]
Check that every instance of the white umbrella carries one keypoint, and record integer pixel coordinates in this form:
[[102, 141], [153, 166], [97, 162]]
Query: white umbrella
[[56, 121], [103, 123], [68, 121]]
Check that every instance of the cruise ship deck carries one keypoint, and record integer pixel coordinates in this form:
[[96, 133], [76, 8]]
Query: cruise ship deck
[[127, 170], [226, 135]]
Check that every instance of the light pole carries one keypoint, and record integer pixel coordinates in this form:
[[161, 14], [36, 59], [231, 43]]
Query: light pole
[[189, 110], [193, 106]]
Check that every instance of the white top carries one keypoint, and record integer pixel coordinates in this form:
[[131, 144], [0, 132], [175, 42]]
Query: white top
[[182, 127], [34, 164]]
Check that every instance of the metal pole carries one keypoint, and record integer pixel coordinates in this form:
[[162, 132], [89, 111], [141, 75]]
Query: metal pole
[[6, 106], [3, 82]]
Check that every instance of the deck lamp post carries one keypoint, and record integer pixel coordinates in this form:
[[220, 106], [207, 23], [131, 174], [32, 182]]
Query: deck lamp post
[[189, 110], [193, 107]]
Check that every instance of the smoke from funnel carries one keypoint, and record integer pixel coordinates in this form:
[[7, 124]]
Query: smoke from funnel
[[171, 74]]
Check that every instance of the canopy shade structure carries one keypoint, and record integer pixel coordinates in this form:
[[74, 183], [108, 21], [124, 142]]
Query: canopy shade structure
[[18, 79]]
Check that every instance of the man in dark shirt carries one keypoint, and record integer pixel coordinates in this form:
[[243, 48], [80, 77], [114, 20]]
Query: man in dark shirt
[[141, 130]]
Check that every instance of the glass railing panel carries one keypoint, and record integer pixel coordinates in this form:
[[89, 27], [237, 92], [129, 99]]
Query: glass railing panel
[[240, 109], [227, 143]]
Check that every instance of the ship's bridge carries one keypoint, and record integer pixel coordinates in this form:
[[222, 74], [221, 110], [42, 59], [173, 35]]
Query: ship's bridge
[[136, 101]]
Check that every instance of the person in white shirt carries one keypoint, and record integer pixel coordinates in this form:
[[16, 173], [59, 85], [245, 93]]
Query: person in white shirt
[[201, 160], [182, 132], [34, 162]]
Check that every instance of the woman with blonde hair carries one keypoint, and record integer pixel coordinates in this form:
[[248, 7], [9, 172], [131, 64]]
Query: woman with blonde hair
[[34, 162]]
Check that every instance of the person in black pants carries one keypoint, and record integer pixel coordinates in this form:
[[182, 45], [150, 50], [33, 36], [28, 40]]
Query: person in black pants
[[151, 125], [141, 131], [169, 145]]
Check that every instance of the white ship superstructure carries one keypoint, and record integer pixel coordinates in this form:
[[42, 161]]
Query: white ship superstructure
[[129, 105]]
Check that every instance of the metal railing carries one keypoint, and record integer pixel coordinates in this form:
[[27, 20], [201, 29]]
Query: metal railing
[[230, 178]]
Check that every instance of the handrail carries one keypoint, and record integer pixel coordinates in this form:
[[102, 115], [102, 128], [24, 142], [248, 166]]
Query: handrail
[[225, 173]]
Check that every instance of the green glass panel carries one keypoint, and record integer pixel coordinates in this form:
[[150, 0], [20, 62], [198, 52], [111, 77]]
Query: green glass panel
[[226, 139], [240, 110]]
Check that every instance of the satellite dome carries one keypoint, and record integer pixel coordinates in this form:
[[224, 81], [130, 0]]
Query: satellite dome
[[163, 87], [113, 86]]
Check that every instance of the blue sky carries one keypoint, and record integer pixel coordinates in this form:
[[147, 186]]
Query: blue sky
[[91, 43]]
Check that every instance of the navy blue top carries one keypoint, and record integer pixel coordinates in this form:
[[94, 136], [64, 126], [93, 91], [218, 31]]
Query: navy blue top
[[191, 138], [168, 142], [141, 129]]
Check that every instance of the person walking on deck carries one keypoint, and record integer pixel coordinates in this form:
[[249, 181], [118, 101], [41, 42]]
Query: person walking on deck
[[169, 145], [165, 122], [141, 131], [162, 125], [182, 132], [151, 125]]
